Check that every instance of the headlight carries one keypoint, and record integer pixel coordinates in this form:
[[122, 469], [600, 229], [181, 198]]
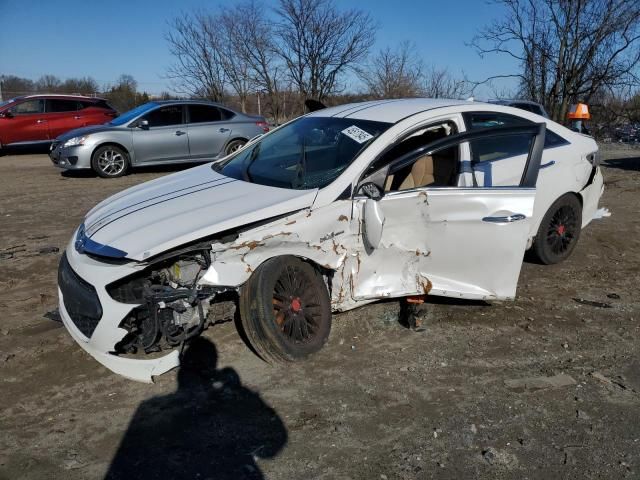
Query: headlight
[[75, 141]]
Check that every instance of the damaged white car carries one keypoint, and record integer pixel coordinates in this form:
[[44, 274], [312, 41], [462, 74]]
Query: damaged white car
[[331, 211]]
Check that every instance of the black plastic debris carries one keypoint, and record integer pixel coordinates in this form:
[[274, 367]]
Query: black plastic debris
[[614, 296], [592, 303], [48, 250]]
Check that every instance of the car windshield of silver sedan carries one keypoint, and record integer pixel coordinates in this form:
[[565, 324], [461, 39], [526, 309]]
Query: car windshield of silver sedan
[[126, 117], [307, 153]]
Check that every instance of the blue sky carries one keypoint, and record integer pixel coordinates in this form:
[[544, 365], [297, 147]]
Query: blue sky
[[72, 38]]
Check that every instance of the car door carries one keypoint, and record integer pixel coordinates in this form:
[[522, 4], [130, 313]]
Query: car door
[[62, 115], [161, 136], [26, 122], [208, 133], [465, 242]]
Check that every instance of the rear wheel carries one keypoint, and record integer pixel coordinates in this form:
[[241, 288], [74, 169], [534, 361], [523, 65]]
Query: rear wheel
[[234, 146], [559, 230], [110, 161], [285, 310]]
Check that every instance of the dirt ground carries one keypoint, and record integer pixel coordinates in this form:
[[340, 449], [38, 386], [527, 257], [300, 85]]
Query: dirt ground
[[544, 387]]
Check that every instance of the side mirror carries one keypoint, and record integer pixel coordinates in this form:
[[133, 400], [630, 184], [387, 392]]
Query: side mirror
[[6, 114], [370, 190], [143, 124]]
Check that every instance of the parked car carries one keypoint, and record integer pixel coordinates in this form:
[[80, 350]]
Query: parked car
[[35, 119], [527, 105], [336, 209], [155, 133]]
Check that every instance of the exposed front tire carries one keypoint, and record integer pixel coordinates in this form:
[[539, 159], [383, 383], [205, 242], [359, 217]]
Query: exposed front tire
[[110, 161], [559, 230], [285, 310], [234, 146]]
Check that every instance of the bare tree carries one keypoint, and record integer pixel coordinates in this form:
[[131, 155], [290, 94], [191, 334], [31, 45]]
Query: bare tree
[[13, 86], [568, 50], [194, 41], [48, 83], [440, 83], [319, 43], [84, 86], [252, 38], [394, 73]]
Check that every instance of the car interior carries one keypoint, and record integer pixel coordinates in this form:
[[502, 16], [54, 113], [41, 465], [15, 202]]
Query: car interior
[[438, 170]]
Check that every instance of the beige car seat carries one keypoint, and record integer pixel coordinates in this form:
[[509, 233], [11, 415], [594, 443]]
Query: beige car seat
[[421, 174]]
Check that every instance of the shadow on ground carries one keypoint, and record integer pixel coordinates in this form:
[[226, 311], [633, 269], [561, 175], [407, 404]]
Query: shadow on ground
[[25, 150], [629, 163], [211, 427]]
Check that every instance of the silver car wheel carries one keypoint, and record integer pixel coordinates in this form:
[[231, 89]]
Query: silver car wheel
[[235, 147], [111, 162]]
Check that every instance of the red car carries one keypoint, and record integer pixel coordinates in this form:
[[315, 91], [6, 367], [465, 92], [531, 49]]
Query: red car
[[36, 119]]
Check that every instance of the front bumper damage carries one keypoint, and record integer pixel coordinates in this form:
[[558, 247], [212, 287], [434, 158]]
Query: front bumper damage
[[100, 342]]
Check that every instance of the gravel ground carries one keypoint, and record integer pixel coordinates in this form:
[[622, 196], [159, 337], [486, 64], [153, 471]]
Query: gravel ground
[[541, 388]]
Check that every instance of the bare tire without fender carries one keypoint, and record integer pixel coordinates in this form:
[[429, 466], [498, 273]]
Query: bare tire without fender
[[234, 146], [110, 161], [559, 230], [285, 310]]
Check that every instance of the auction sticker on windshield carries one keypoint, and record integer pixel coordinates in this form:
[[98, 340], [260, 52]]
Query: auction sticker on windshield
[[357, 134]]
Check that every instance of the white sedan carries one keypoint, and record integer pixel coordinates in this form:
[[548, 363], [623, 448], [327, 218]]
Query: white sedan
[[336, 209]]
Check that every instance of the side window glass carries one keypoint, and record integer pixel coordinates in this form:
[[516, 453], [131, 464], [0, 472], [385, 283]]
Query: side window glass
[[553, 140], [28, 107], [226, 114], [440, 169], [499, 161], [414, 140], [203, 114], [165, 116], [55, 105], [498, 148]]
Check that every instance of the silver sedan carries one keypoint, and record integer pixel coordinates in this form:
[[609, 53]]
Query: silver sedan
[[157, 133]]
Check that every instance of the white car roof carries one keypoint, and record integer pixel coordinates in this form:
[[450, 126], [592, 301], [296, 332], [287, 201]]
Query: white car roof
[[389, 110]]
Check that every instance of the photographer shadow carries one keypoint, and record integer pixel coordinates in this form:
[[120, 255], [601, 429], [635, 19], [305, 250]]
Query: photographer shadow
[[210, 428]]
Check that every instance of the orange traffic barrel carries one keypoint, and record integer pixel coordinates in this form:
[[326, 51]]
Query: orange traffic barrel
[[579, 111]]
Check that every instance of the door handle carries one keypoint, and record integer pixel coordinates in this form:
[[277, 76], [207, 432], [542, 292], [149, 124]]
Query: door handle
[[180, 132], [506, 219], [77, 117], [223, 130], [41, 121]]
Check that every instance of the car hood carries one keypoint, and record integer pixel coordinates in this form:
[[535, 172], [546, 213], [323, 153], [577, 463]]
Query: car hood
[[156, 216], [78, 132]]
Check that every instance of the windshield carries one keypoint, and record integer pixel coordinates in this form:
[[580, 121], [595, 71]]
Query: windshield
[[308, 153], [126, 117]]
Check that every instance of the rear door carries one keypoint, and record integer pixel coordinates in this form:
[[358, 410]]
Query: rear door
[[27, 123], [465, 242], [62, 115], [165, 137], [208, 133]]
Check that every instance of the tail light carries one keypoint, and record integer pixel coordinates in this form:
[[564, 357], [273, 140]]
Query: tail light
[[263, 125]]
